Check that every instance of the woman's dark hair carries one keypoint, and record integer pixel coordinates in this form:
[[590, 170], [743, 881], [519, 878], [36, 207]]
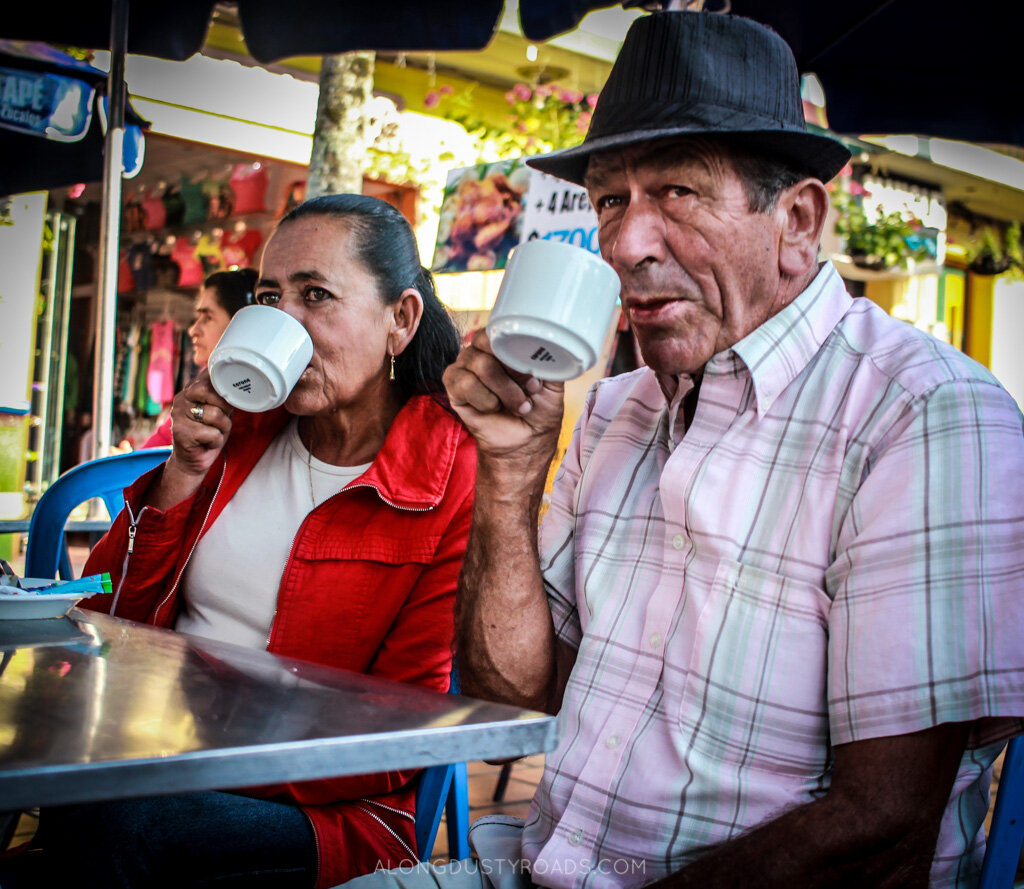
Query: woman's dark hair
[[385, 245], [234, 288]]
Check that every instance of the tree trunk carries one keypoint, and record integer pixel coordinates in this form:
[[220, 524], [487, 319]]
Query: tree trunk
[[339, 136]]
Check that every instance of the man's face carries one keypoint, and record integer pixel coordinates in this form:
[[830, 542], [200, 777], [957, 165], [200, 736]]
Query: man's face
[[699, 270]]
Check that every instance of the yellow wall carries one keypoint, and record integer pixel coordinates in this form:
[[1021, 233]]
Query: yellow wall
[[978, 318]]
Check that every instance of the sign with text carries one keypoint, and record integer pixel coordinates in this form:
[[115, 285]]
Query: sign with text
[[560, 211], [43, 104]]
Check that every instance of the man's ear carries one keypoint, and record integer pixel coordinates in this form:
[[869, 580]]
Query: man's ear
[[407, 314], [802, 208]]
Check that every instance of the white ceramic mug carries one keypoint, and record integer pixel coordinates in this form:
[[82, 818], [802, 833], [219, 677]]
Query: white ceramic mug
[[259, 358], [553, 309]]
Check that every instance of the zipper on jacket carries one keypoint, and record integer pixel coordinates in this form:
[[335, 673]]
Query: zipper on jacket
[[195, 543], [412, 855], [133, 528], [372, 802]]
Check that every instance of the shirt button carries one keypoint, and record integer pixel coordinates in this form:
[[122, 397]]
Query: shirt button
[[612, 741], [655, 640], [679, 541], [576, 837]]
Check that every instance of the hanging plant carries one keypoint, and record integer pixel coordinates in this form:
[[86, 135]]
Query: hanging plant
[[880, 242], [541, 118], [993, 252]]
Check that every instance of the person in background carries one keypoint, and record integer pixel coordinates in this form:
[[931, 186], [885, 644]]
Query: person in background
[[222, 294], [332, 530], [776, 597]]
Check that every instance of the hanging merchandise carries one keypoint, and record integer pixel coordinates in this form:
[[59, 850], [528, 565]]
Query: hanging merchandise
[[140, 264], [218, 193], [197, 204], [156, 213], [239, 246], [160, 370], [174, 205], [249, 183], [125, 278], [209, 253], [294, 195], [190, 272], [133, 216]]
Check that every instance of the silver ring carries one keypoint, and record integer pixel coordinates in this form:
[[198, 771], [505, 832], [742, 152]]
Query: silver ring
[[197, 412]]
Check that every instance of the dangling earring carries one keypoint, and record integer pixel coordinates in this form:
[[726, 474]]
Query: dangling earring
[[392, 376]]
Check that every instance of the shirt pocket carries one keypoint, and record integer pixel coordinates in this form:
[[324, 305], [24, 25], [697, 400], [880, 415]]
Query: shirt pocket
[[755, 688]]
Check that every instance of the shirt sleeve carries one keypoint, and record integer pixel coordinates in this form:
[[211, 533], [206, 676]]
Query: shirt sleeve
[[927, 622]]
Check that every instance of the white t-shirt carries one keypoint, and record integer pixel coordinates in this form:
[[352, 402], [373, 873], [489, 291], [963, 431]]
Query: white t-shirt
[[231, 582]]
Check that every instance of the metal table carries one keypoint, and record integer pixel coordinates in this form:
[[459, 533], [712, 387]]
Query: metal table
[[93, 707]]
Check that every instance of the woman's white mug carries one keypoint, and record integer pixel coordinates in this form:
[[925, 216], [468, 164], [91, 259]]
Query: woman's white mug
[[553, 309], [259, 358]]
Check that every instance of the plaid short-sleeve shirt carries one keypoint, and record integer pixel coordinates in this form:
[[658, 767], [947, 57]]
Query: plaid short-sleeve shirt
[[832, 551]]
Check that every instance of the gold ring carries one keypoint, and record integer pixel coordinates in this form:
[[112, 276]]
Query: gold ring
[[197, 412]]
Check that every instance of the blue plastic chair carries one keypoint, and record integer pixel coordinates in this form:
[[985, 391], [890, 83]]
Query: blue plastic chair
[[443, 790], [106, 478], [1006, 836]]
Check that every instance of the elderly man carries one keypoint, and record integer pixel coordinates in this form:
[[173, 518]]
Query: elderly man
[[776, 600]]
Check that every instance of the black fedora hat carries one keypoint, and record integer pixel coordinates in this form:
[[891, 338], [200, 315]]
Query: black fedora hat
[[701, 74]]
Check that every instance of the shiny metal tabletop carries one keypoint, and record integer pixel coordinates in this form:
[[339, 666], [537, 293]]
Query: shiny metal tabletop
[[93, 707]]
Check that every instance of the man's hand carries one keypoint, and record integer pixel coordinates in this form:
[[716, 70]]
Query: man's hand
[[511, 415]]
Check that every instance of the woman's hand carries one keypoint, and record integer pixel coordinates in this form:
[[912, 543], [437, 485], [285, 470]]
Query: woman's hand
[[200, 426]]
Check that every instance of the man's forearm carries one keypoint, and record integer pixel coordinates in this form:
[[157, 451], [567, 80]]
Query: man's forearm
[[814, 846], [876, 828], [506, 643]]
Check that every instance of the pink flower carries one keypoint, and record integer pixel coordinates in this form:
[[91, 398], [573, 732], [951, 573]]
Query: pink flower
[[570, 96], [511, 97], [592, 100], [446, 90], [522, 92], [544, 90], [431, 99], [846, 171], [583, 121], [857, 188]]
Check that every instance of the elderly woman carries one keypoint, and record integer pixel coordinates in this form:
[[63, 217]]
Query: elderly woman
[[222, 294], [331, 530]]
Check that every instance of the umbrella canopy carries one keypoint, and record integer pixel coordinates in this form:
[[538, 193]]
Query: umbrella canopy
[[927, 67], [52, 118]]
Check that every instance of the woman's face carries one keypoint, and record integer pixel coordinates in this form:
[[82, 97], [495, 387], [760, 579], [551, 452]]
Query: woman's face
[[309, 271], [211, 319]]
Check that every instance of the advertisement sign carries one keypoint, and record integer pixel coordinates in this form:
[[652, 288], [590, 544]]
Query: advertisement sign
[[20, 244], [42, 104], [489, 208], [481, 216], [558, 210]]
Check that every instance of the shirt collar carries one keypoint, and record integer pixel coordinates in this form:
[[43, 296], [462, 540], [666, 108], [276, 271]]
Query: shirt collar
[[777, 351]]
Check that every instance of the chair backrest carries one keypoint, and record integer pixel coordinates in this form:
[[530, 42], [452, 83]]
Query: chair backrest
[[104, 477], [1006, 836], [443, 790]]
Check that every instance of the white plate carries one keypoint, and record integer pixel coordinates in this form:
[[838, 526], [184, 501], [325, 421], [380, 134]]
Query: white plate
[[25, 605]]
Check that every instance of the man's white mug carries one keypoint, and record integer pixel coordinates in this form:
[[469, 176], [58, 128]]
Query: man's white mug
[[553, 309], [259, 358]]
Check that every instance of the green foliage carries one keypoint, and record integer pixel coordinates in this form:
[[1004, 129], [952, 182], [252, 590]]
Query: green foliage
[[885, 241], [995, 250], [540, 118]]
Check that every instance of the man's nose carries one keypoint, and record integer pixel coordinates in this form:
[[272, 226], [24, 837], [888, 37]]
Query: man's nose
[[640, 238]]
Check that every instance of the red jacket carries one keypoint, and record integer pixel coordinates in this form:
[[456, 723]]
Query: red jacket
[[369, 586]]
